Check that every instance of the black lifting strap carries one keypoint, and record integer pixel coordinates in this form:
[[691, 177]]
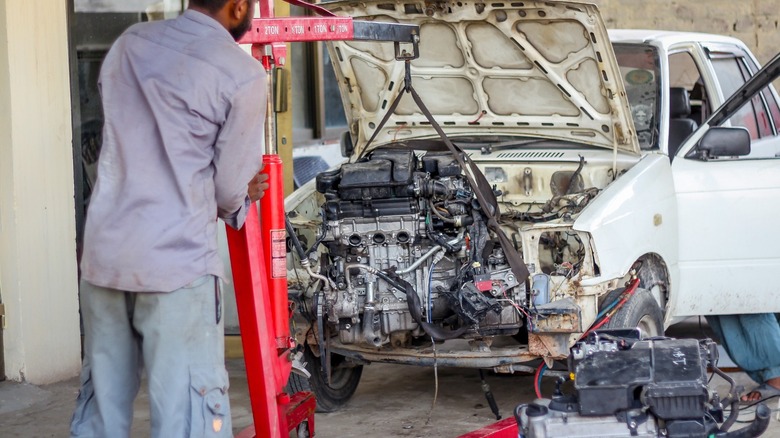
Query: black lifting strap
[[484, 193]]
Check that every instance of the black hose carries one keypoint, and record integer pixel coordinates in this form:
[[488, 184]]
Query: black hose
[[755, 429], [302, 254], [414, 303], [439, 215], [321, 340], [319, 239], [294, 238], [734, 402], [439, 239]]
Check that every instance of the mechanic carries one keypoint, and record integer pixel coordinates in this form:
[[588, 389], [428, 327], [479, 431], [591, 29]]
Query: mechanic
[[184, 107], [753, 343]]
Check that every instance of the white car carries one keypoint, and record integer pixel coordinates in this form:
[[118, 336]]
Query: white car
[[563, 213]]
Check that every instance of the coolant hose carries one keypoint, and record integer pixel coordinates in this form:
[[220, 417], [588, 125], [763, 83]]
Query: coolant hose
[[440, 240], [733, 398], [756, 428], [294, 238], [414, 303]]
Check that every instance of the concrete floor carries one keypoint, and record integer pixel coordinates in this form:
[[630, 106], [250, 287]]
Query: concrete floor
[[391, 401]]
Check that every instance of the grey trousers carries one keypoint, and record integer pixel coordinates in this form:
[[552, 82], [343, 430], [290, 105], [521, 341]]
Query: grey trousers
[[177, 337]]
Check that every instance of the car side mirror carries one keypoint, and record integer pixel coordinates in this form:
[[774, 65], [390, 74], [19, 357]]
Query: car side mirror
[[721, 141], [347, 147]]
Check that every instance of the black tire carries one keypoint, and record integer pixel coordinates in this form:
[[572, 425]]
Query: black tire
[[344, 381], [640, 311]]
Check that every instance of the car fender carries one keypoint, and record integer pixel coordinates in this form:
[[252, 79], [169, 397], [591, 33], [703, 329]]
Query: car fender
[[633, 216]]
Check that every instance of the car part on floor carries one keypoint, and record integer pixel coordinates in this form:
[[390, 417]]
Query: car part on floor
[[627, 387]]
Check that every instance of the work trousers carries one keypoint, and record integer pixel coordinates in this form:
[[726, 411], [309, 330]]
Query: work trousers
[[177, 338], [751, 341]]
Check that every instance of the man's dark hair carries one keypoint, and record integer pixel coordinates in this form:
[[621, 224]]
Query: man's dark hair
[[209, 5]]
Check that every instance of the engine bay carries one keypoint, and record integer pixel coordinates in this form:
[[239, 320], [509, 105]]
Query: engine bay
[[406, 256]]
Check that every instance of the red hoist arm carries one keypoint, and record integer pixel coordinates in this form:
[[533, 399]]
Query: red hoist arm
[[258, 250]]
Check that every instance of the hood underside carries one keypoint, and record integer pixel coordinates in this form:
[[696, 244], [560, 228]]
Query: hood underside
[[532, 69]]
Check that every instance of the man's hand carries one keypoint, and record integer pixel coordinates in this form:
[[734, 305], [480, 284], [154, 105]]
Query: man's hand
[[257, 186]]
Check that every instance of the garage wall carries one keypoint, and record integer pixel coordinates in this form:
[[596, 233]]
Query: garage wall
[[37, 220], [753, 21]]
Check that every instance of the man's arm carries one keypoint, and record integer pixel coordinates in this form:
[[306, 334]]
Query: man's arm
[[237, 152]]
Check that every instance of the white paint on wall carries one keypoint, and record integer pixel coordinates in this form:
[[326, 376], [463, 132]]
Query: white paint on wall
[[37, 214]]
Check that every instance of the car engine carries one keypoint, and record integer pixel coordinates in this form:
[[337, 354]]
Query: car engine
[[409, 253], [631, 387]]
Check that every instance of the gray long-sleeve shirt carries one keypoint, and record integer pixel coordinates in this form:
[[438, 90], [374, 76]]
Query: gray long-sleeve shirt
[[184, 110]]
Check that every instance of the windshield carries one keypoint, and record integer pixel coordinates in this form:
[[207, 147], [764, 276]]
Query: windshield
[[640, 69]]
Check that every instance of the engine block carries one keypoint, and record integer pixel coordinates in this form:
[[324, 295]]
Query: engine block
[[410, 255]]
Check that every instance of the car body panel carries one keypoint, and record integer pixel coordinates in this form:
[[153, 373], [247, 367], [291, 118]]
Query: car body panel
[[728, 210], [729, 256], [627, 220], [487, 68]]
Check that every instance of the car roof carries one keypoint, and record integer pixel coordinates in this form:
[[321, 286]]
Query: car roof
[[667, 38]]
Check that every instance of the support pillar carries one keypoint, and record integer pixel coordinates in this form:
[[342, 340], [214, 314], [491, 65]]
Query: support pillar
[[38, 273]]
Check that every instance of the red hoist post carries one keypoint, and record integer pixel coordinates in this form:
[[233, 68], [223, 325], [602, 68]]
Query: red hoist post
[[258, 252]]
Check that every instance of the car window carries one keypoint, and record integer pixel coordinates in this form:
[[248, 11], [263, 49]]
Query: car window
[[685, 73], [640, 69], [687, 99], [732, 73], [768, 143], [774, 109], [769, 113], [759, 118]]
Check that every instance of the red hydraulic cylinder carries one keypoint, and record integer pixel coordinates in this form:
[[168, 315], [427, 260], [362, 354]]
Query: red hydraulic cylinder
[[274, 235], [258, 258], [253, 303], [264, 314]]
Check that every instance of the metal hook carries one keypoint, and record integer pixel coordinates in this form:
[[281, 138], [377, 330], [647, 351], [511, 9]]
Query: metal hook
[[403, 55]]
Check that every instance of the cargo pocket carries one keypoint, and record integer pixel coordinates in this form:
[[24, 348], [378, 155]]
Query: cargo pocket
[[209, 402]]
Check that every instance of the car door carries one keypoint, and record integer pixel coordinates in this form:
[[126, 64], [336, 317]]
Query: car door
[[728, 206]]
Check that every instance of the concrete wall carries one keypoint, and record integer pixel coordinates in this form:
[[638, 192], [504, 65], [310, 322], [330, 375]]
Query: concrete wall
[[37, 218], [753, 21]]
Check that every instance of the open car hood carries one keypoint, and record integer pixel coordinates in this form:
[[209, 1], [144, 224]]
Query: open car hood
[[533, 69]]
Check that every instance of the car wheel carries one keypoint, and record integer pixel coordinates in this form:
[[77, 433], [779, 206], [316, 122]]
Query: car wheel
[[343, 382], [640, 311], [654, 277]]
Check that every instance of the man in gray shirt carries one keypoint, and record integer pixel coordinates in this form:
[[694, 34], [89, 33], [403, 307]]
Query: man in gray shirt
[[184, 110]]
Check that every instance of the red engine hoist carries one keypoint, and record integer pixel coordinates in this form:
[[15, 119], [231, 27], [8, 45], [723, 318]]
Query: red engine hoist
[[258, 250]]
